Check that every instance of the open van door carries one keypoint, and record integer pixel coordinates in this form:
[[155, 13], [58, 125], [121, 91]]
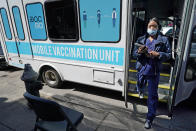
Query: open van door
[[20, 28], [8, 39], [183, 79]]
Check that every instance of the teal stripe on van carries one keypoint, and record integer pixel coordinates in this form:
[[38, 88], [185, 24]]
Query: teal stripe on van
[[11, 47], [24, 47], [104, 55]]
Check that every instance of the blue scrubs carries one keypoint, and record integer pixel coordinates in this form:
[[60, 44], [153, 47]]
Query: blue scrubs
[[149, 69], [152, 76], [152, 101]]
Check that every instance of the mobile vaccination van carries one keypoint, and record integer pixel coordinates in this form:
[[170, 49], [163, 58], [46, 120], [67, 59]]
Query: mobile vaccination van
[[91, 42]]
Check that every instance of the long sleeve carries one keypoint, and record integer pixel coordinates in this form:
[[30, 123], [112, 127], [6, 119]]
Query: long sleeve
[[165, 55], [135, 49]]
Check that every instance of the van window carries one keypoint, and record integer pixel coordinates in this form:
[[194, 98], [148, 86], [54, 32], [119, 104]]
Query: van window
[[139, 24], [36, 21], [18, 23], [166, 27], [191, 68], [100, 20], [61, 20], [6, 24]]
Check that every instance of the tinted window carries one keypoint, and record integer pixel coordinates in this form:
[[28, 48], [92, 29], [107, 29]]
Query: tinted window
[[138, 20], [6, 24], [194, 36], [18, 23], [36, 21], [62, 20], [100, 20], [191, 68]]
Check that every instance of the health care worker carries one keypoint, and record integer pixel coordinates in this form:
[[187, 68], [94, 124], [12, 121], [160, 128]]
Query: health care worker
[[155, 50]]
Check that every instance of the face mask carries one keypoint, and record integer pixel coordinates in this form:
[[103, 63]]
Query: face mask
[[152, 32]]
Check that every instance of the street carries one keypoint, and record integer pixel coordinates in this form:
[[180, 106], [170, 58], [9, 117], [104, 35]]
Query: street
[[104, 110]]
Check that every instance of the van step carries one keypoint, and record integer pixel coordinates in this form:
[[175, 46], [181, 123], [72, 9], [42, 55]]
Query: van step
[[161, 91], [161, 85], [165, 67], [162, 98], [161, 74], [164, 63], [133, 77]]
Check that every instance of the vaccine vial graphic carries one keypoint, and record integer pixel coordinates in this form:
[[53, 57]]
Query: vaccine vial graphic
[[85, 18], [114, 15], [98, 17]]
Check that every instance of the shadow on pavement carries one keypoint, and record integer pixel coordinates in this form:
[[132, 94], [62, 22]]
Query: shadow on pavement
[[15, 116], [115, 95], [184, 115], [102, 116], [10, 69], [99, 116]]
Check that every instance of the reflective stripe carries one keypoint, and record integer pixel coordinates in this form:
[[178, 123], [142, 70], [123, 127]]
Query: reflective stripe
[[160, 86], [145, 97], [161, 74], [164, 63]]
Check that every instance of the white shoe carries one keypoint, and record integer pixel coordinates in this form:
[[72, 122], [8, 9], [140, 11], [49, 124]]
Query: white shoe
[[148, 124], [141, 95]]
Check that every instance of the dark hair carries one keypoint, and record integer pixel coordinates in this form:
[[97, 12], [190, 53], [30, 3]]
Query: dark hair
[[155, 20]]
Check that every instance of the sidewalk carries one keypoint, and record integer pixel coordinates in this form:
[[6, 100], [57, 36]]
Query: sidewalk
[[101, 113], [105, 110]]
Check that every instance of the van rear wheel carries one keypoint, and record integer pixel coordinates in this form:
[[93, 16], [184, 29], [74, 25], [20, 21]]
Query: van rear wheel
[[51, 78]]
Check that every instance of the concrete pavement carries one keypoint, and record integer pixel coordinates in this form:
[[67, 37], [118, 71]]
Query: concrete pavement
[[103, 110]]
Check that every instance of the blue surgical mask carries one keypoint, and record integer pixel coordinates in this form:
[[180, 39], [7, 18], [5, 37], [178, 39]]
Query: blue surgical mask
[[152, 32]]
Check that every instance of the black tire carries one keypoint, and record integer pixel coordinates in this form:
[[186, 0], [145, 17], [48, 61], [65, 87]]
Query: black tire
[[51, 78]]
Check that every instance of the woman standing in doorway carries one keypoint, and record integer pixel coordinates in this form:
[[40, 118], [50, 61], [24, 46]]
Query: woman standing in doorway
[[155, 50]]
